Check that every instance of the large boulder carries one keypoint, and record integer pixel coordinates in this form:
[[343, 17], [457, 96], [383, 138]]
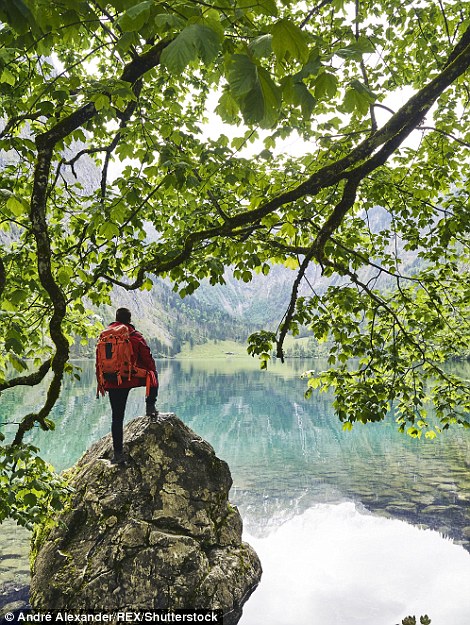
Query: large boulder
[[156, 533]]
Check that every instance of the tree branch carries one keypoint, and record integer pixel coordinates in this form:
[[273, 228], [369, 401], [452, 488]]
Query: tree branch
[[392, 134], [17, 120], [44, 255], [131, 73], [3, 276], [445, 134], [357, 34], [292, 303], [28, 380], [390, 137], [45, 143], [124, 117], [314, 11]]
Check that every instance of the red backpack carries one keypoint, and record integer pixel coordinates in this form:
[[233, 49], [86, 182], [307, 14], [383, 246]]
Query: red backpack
[[114, 356]]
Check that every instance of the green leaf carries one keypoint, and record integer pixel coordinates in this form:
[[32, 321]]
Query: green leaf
[[101, 101], [17, 207], [48, 424], [349, 53], [64, 274], [296, 92], [289, 230], [13, 344], [355, 101], [18, 295], [135, 17], [180, 52], [208, 40], [262, 104], [291, 263], [357, 49], [326, 85], [363, 90], [312, 66], [7, 77], [314, 382], [18, 363], [168, 21], [242, 74], [289, 41], [413, 432], [258, 97], [263, 7], [8, 306], [227, 108], [109, 230], [18, 14], [30, 499], [261, 47], [202, 40]]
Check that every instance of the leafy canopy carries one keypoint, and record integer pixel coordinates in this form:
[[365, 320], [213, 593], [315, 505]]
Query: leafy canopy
[[377, 198]]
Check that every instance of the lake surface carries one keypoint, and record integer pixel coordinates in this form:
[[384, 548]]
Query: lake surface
[[366, 527]]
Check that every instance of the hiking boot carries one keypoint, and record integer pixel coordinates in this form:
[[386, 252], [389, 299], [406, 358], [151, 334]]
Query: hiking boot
[[151, 411], [119, 458]]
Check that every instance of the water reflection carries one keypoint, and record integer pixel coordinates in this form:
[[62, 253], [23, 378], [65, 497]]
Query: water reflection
[[287, 456], [335, 565]]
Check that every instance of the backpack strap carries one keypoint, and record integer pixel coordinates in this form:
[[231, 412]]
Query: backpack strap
[[150, 382]]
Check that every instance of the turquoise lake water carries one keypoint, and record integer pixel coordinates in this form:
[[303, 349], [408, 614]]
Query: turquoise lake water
[[365, 527]]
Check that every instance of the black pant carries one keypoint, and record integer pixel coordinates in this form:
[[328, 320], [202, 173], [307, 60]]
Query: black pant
[[118, 399]]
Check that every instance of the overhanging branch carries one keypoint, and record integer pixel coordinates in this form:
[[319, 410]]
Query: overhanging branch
[[28, 380], [391, 135]]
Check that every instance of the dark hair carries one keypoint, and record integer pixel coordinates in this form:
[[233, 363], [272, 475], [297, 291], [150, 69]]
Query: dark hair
[[123, 315]]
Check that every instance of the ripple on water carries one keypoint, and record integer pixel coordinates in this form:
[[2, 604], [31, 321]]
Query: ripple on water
[[14, 569]]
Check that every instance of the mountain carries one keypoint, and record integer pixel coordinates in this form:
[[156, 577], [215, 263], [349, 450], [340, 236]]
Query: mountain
[[168, 321], [258, 302]]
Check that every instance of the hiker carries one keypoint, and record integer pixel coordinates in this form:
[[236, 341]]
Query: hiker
[[124, 361]]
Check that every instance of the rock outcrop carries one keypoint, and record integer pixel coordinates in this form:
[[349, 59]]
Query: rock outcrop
[[156, 533]]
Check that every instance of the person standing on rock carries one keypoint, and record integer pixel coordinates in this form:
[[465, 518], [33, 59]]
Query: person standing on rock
[[124, 361]]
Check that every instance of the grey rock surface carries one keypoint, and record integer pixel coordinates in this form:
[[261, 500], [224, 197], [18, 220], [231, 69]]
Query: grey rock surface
[[158, 532]]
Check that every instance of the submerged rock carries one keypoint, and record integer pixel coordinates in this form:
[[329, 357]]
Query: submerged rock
[[156, 533]]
